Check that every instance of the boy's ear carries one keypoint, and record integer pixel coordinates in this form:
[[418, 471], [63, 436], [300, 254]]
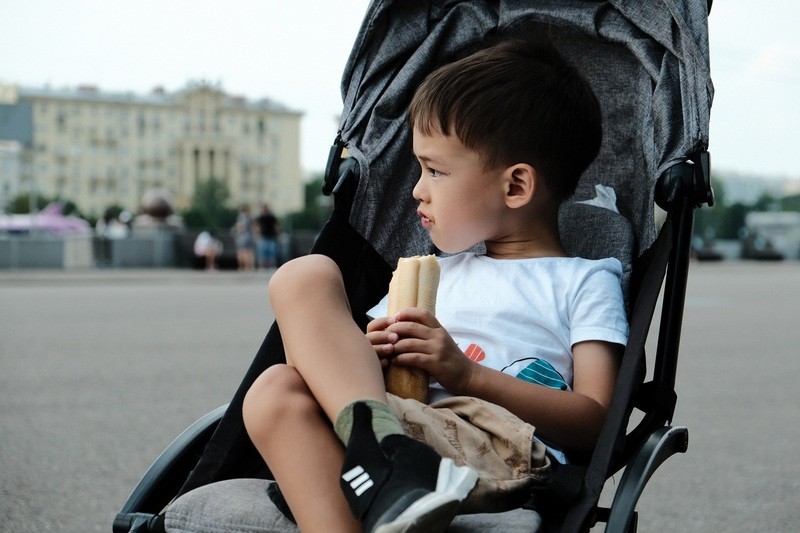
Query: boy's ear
[[521, 182]]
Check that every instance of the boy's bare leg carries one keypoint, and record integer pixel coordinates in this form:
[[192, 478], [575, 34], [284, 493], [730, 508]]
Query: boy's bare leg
[[296, 440], [322, 341]]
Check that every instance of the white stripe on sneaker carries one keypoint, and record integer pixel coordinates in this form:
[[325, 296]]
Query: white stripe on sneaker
[[358, 479], [352, 473]]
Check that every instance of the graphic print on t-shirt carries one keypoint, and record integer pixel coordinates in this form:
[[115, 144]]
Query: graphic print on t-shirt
[[542, 372], [475, 353], [538, 371]]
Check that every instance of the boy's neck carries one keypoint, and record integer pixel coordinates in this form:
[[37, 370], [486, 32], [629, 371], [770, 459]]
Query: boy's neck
[[534, 238], [524, 249]]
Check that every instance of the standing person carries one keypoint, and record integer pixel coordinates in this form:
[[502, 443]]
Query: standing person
[[268, 231], [524, 336], [245, 241]]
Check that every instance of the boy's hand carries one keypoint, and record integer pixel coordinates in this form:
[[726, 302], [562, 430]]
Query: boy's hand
[[382, 340], [413, 337]]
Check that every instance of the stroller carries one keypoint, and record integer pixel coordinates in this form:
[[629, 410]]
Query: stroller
[[649, 66]]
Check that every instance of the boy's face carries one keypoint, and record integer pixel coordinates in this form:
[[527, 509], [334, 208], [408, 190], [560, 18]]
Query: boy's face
[[460, 202]]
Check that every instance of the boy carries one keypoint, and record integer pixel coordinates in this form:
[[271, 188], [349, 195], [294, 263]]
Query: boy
[[502, 138]]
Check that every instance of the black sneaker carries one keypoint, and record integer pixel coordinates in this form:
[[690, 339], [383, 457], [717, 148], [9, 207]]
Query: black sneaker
[[400, 485]]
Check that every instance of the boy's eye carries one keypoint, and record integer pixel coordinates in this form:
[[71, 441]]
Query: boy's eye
[[435, 173]]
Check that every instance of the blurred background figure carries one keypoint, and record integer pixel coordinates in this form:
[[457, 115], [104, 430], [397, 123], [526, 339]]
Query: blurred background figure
[[108, 227], [111, 226], [209, 247], [245, 240], [156, 211], [268, 228]]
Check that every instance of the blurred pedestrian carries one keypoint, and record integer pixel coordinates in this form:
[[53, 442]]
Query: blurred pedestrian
[[208, 247], [268, 228], [245, 240]]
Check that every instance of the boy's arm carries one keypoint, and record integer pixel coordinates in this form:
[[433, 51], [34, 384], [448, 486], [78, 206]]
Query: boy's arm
[[568, 419]]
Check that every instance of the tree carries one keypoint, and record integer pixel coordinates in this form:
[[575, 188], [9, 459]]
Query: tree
[[317, 209], [709, 220], [791, 203], [732, 221], [209, 209], [21, 204]]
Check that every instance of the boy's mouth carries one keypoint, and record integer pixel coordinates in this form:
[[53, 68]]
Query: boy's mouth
[[426, 221]]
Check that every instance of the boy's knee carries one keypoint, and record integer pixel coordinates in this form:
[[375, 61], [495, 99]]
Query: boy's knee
[[278, 392], [298, 274]]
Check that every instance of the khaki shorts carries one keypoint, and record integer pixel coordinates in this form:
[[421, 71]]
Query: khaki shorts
[[485, 436]]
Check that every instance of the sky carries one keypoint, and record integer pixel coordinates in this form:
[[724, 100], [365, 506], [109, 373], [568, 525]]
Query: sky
[[295, 51]]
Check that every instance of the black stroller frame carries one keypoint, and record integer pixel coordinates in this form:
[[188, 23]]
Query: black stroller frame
[[216, 447]]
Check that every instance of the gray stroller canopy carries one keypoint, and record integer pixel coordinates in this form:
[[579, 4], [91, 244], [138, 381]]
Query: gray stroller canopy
[[647, 61]]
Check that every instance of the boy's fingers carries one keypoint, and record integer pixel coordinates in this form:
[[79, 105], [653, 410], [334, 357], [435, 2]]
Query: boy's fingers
[[418, 348], [383, 343], [382, 336], [416, 314], [406, 330], [385, 351], [378, 324]]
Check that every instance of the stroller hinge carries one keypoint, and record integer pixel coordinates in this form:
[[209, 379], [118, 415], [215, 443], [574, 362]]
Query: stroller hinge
[[689, 179], [332, 178], [658, 396], [703, 192]]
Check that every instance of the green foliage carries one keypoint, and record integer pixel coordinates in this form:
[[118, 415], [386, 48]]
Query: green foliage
[[21, 204], [791, 203], [209, 209], [316, 212], [726, 221]]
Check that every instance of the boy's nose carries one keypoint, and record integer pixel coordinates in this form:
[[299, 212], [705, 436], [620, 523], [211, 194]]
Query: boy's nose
[[419, 189]]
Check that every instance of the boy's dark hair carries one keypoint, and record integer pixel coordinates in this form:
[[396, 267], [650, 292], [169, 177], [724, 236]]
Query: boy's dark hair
[[516, 102]]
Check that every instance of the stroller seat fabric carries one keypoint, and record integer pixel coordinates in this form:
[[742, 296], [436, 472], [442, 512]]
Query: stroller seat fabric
[[242, 505]]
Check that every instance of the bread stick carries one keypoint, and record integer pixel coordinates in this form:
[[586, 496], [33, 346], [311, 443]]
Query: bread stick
[[414, 284]]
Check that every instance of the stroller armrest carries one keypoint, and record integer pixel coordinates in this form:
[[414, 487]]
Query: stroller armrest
[[662, 444], [170, 468]]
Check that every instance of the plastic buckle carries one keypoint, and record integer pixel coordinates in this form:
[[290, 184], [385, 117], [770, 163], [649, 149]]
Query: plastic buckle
[[330, 182]]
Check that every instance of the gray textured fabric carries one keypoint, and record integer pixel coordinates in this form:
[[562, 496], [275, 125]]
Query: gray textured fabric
[[226, 506], [595, 233], [647, 61], [243, 505]]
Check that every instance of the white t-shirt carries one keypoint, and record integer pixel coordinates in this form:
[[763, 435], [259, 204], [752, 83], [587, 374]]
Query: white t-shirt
[[522, 316]]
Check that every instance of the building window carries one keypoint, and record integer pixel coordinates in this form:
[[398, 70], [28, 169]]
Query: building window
[[196, 164]]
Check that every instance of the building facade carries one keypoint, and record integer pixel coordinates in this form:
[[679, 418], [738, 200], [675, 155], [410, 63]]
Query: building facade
[[11, 170], [100, 149]]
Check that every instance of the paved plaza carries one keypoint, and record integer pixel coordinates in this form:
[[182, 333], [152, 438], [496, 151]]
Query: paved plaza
[[100, 370]]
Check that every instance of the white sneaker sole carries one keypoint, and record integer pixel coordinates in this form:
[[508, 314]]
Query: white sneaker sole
[[434, 512]]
